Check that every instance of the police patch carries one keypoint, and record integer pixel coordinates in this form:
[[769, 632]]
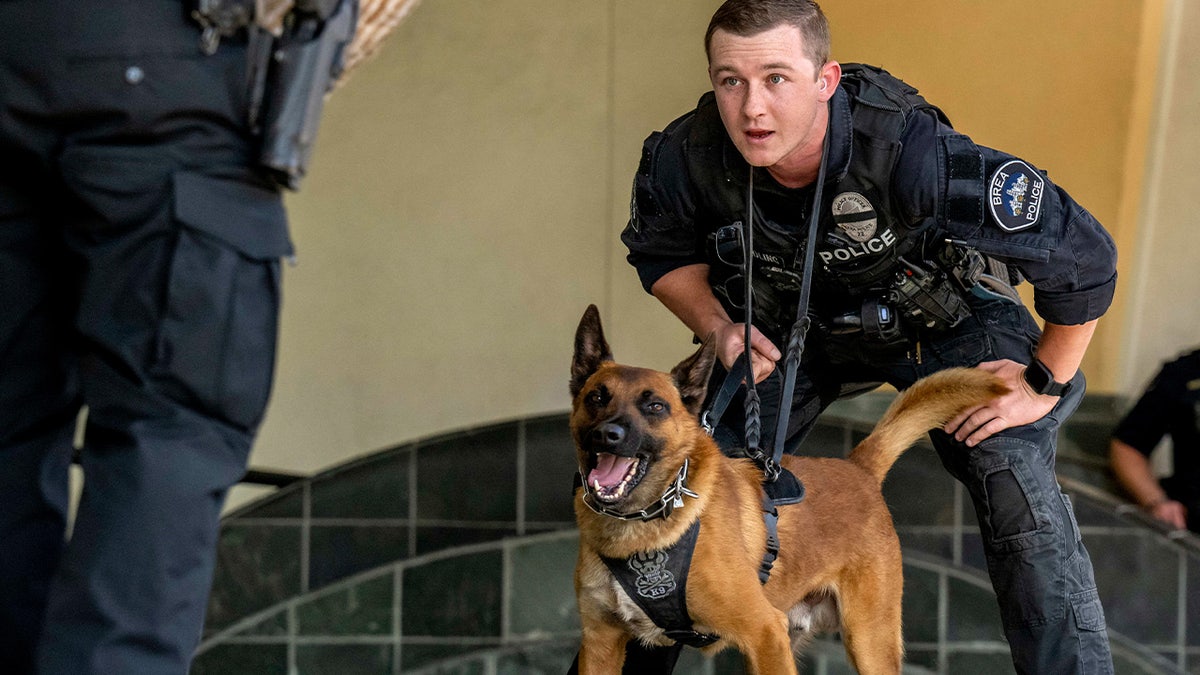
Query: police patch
[[855, 216], [1015, 196]]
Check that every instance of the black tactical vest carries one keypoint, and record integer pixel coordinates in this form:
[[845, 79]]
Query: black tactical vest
[[862, 231]]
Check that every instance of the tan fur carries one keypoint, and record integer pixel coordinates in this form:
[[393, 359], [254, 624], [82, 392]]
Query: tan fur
[[839, 560], [928, 404]]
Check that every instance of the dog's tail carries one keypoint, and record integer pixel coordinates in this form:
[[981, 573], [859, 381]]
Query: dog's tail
[[928, 404]]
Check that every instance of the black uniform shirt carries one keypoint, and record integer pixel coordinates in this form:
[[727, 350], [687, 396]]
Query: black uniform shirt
[[1065, 253], [1170, 405]]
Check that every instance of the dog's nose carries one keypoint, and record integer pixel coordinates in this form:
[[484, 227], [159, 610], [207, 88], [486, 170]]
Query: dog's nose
[[608, 434]]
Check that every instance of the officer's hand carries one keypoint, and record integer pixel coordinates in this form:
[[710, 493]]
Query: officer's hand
[[1019, 406], [731, 343], [1170, 512]]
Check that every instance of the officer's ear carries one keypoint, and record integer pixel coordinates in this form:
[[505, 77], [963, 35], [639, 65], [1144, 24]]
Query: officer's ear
[[828, 78]]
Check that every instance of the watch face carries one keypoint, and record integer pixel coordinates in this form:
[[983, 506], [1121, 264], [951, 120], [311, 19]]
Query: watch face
[[1041, 380], [1038, 376]]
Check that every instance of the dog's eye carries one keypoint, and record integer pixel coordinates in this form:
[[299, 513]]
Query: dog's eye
[[656, 407], [596, 397]]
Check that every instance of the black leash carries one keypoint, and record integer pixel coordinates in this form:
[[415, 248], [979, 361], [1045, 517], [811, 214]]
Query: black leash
[[718, 404], [791, 491], [794, 349], [753, 427], [795, 346], [771, 470], [780, 486]]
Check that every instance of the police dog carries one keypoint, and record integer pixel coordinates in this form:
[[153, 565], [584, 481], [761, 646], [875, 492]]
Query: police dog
[[839, 562]]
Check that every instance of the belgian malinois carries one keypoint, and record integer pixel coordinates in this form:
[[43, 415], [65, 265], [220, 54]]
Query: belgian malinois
[[839, 563]]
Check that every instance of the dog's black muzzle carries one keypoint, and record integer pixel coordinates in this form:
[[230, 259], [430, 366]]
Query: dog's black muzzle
[[616, 437]]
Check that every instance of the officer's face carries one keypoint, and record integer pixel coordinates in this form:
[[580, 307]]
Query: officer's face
[[772, 100]]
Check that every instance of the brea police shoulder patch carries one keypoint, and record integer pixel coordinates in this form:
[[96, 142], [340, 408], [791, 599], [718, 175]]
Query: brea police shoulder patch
[[1015, 196], [855, 216]]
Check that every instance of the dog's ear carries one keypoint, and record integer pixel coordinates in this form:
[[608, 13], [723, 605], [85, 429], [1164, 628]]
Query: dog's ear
[[590, 349], [691, 375]]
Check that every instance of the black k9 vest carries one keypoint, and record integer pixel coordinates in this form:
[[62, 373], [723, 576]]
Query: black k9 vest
[[862, 231]]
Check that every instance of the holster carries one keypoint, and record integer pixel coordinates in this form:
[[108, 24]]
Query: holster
[[289, 78], [294, 55], [927, 299]]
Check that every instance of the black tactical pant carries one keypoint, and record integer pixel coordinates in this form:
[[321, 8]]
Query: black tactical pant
[[1039, 567], [139, 275]]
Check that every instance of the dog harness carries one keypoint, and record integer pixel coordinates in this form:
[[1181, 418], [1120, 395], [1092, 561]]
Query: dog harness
[[657, 582]]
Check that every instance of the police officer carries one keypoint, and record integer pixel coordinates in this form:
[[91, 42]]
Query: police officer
[[140, 247], [920, 233], [1170, 405]]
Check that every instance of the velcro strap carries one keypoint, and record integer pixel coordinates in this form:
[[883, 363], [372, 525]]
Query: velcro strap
[[963, 202]]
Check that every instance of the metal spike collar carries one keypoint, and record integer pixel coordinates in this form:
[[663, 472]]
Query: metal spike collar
[[670, 500]]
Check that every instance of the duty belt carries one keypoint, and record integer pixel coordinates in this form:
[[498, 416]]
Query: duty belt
[[932, 295], [222, 19]]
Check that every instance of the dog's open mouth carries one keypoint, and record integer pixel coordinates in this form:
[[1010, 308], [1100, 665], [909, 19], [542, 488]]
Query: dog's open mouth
[[614, 477]]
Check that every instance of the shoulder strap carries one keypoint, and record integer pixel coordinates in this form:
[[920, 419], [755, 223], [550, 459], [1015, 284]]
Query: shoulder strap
[[883, 101], [714, 169]]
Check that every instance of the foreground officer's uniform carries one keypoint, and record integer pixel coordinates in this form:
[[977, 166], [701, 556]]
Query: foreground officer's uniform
[[900, 183], [139, 274], [1171, 405]]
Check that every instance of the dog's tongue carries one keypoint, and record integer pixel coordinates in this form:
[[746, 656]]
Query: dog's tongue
[[610, 469]]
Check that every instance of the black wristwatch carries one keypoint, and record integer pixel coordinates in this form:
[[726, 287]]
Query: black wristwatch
[[1041, 380]]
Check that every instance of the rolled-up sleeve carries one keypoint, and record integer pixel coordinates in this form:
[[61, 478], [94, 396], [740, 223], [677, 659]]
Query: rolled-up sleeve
[[1077, 283]]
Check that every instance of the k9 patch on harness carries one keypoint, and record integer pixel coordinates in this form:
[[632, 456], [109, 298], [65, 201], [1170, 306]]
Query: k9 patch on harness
[[1015, 196]]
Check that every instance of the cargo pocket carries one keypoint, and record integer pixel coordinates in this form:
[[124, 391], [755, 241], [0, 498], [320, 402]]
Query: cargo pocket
[[1089, 615], [215, 349], [1094, 656], [1015, 516], [1009, 514]]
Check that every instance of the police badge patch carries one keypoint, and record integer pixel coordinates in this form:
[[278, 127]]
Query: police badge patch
[[855, 216], [1015, 196]]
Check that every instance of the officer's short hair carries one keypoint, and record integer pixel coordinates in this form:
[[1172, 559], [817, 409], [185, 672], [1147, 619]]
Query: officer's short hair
[[750, 17]]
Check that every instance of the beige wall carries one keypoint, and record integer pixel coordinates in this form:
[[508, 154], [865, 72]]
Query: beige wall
[[470, 183], [1052, 86], [461, 213], [1162, 311]]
